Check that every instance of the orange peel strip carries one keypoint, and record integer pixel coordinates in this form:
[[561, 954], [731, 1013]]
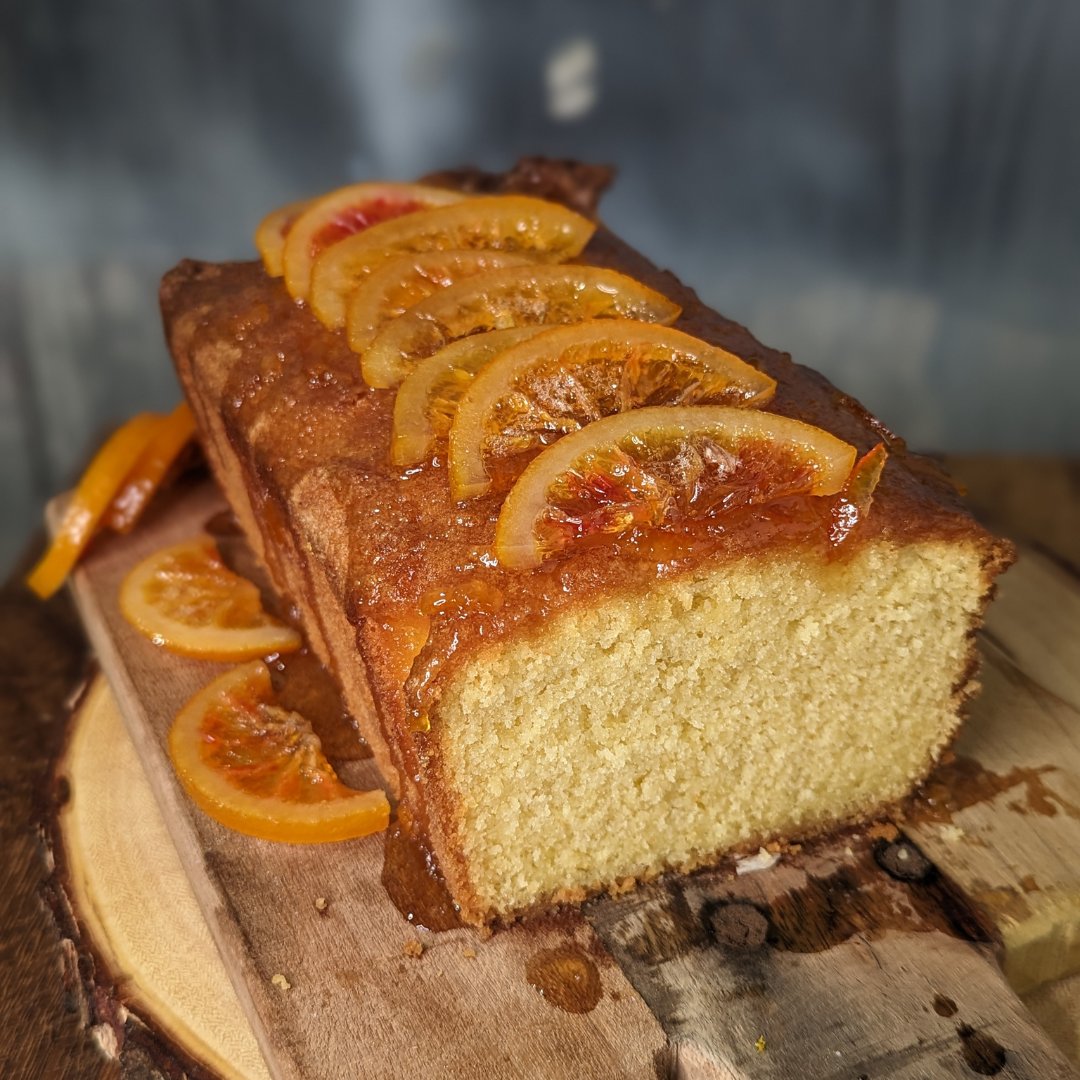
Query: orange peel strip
[[172, 434], [96, 490]]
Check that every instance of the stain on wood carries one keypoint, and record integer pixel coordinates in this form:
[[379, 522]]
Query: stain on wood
[[566, 978]]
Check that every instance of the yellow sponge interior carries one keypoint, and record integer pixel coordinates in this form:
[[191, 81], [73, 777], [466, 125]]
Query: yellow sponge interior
[[762, 698]]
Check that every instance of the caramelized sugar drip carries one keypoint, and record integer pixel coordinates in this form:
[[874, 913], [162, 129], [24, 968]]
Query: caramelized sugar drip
[[565, 978], [412, 879]]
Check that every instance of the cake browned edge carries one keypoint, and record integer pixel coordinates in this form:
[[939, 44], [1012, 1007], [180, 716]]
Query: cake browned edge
[[307, 582]]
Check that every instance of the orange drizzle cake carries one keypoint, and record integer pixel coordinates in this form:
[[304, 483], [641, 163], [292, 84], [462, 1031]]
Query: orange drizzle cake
[[639, 591]]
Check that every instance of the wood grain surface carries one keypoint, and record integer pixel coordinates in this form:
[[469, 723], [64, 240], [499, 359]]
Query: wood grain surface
[[42, 658]]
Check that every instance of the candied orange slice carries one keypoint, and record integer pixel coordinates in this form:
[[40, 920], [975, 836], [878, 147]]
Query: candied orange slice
[[259, 769], [171, 434], [403, 282], [99, 484], [517, 296], [537, 391], [493, 222], [428, 397], [331, 218], [654, 466], [187, 600], [271, 232]]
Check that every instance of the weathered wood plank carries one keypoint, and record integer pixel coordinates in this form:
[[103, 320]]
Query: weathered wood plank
[[825, 966], [1017, 852]]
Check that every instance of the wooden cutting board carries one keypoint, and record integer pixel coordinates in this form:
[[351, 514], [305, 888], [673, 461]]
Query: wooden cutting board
[[856, 957]]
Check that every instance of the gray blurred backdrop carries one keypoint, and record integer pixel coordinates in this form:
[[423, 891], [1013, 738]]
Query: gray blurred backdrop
[[889, 190]]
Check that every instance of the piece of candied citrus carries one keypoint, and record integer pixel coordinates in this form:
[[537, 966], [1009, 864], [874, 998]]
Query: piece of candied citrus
[[547, 230], [171, 434], [427, 398], [537, 391], [403, 282], [853, 502], [271, 232], [260, 769], [331, 218], [186, 599], [659, 465], [500, 299], [90, 500]]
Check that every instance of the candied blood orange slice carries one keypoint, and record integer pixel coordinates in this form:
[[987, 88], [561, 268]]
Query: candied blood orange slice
[[259, 769], [427, 398], [187, 600], [553, 384], [517, 296], [403, 282], [659, 465], [331, 218], [493, 222], [271, 232]]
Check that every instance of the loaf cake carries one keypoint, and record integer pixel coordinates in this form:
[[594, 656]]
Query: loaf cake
[[624, 708]]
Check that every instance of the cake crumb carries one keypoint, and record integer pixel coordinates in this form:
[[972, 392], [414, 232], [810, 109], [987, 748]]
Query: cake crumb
[[759, 1046], [763, 860], [952, 834], [774, 847], [413, 948], [321, 904], [469, 954], [883, 830], [281, 982]]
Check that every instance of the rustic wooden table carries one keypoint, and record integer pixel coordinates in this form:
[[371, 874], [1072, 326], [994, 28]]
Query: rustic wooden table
[[43, 655]]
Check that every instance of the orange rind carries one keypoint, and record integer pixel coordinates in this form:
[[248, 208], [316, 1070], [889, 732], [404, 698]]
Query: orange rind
[[500, 299], [539, 390], [651, 467]]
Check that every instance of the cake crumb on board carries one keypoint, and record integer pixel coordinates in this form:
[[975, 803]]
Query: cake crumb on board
[[413, 948], [281, 982]]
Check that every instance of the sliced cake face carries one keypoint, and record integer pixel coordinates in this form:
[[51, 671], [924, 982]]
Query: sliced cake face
[[762, 699]]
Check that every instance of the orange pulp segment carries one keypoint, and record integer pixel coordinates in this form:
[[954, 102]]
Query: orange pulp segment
[[659, 465], [331, 218], [172, 433], [271, 232], [517, 296], [553, 384], [493, 222], [187, 600], [259, 769], [99, 484], [406, 280], [428, 397]]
